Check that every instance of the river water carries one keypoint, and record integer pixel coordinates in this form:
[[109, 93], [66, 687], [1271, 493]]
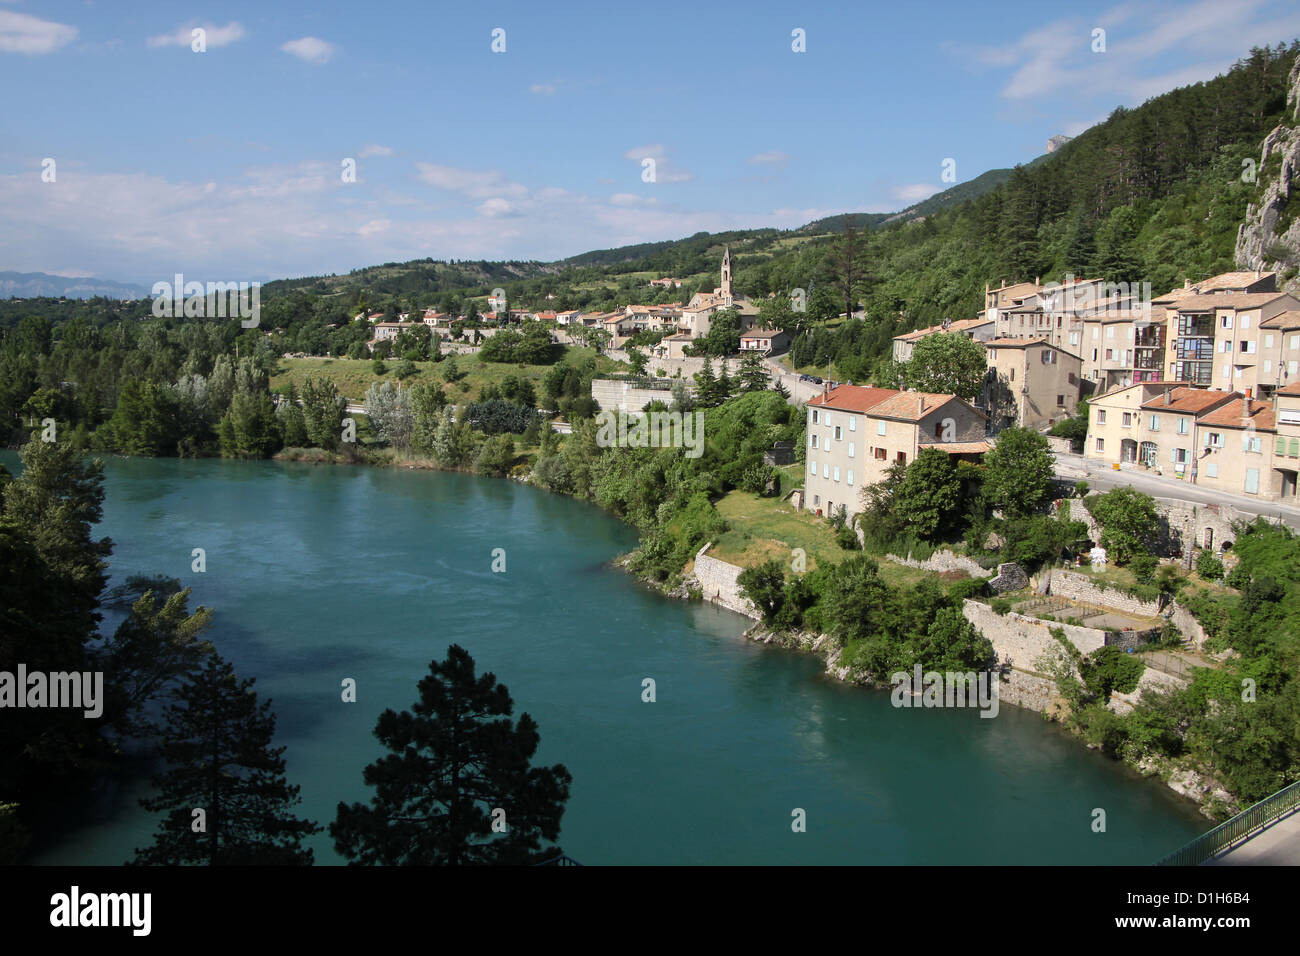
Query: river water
[[320, 573]]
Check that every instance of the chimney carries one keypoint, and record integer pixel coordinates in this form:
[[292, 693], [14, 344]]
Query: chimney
[[1250, 392], [1187, 283], [1167, 392]]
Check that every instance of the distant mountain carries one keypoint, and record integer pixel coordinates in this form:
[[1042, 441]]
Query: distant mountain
[[30, 285]]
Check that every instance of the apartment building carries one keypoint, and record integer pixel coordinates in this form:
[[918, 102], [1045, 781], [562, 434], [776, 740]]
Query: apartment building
[[1279, 354], [1030, 382], [1214, 340], [1236, 443], [1212, 438], [855, 433]]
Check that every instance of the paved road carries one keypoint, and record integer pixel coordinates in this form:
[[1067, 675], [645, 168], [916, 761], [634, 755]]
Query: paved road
[[1276, 845], [1103, 478]]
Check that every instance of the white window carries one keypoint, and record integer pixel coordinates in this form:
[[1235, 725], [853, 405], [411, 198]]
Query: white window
[[1101, 444], [1292, 367], [1237, 373], [1096, 334], [1251, 443], [1252, 481], [1074, 338], [1227, 371], [1245, 321], [880, 427], [1101, 416], [1110, 331], [1224, 347], [1268, 366], [1293, 342], [837, 432], [1268, 340], [837, 472], [1126, 419], [1179, 456], [1182, 426], [1248, 347], [813, 466], [850, 449], [814, 411], [853, 423], [1155, 423], [826, 470], [1227, 321], [1216, 439], [1212, 470], [850, 476], [814, 440]]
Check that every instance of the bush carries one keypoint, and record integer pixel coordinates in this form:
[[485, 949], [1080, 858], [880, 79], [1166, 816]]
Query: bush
[[1143, 567], [378, 366], [1000, 606], [1081, 489], [1208, 566], [847, 539]]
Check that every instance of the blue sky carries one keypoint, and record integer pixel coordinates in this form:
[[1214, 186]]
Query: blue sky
[[227, 164]]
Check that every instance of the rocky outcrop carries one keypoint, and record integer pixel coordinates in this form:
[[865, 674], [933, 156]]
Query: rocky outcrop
[[1269, 238]]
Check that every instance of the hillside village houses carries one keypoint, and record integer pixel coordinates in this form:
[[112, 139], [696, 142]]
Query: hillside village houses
[[855, 433]]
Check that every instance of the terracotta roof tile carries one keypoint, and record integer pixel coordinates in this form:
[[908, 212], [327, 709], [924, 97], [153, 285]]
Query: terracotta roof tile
[[1230, 415]]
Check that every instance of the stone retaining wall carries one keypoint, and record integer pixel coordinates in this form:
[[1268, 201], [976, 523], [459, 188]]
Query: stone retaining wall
[[1082, 588], [717, 581], [941, 561], [615, 396]]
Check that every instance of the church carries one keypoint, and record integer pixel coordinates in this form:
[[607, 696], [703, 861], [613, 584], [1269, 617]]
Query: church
[[695, 316]]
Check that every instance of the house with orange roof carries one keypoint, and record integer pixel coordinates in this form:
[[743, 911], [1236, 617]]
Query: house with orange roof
[[855, 433]]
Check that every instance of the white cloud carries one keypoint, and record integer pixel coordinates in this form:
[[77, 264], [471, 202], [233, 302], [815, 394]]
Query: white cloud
[[632, 199], [376, 150], [22, 33], [496, 207], [311, 49], [914, 192], [214, 36], [771, 158], [1203, 39], [541, 89], [474, 183]]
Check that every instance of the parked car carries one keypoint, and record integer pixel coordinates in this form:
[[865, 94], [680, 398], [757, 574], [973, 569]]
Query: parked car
[[805, 378], [816, 380]]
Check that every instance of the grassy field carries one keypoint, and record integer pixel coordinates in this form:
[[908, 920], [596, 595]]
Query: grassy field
[[763, 528], [354, 376]]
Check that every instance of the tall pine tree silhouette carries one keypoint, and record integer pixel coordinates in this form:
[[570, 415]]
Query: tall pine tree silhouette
[[217, 744], [458, 787]]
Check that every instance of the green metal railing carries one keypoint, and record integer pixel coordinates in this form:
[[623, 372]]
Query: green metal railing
[[1242, 825]]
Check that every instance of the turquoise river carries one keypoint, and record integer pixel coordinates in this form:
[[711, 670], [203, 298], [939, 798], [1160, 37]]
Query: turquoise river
[[320, 573]]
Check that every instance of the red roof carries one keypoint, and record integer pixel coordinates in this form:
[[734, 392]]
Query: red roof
[[854, 398]]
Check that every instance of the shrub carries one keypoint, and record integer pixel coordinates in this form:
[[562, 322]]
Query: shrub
[[1081, 489], [1208, 566], [1143, 567], [1000, 606]]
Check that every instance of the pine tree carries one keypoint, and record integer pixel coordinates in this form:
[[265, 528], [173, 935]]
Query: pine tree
[[458, 787], [217, 745], [753, 376], [706, 385]]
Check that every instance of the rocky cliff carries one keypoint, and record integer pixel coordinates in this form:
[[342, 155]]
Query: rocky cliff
[[1270, 236]]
